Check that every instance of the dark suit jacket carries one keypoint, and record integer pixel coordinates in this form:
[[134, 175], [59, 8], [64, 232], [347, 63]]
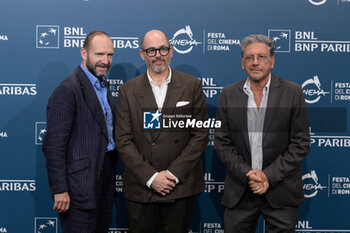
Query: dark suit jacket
[[145, 152], [285, 143], [76, 139]]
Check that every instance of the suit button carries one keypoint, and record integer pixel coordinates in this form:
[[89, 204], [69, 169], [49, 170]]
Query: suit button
[[153, 143]]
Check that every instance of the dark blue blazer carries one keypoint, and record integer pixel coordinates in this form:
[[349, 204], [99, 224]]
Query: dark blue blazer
[[76, 140]]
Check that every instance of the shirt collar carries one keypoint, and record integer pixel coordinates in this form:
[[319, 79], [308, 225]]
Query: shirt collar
[[94, 81], [166, 81], [246, 85]]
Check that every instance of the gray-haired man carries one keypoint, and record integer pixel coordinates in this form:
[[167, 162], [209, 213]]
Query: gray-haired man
[[262, 142]]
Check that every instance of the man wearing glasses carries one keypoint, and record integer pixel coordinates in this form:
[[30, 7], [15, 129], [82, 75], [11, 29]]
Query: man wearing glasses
[[163, 168], [262, 142]]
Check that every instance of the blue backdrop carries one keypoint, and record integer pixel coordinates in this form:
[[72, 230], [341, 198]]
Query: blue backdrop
[[39, 46]]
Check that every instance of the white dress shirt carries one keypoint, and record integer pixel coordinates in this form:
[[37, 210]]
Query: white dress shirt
[[159, 93], [255, 123]]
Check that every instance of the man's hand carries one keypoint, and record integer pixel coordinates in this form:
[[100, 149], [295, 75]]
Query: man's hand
[[258, 181], [163, 183], [62, 201]]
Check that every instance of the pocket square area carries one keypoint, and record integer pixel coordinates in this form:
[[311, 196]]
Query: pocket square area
[[182, 103]]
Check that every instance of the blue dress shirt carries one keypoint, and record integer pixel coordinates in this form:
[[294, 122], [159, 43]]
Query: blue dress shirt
[[101, 93]]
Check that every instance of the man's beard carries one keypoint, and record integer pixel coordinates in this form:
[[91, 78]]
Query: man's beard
[[92, 69], [159, 69]]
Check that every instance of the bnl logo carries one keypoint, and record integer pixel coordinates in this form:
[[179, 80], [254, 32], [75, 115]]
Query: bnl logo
[[281, 40], [45, 225], [40, 131], [47, 36], [151, 120]]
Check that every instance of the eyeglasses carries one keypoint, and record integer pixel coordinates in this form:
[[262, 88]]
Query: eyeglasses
[[260, 58], [151, 52]]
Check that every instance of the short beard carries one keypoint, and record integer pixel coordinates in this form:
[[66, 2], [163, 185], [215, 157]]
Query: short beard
[[159, 70], [92, 70]]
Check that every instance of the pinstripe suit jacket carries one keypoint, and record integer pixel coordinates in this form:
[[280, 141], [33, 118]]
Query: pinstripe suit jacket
[[76, 139]]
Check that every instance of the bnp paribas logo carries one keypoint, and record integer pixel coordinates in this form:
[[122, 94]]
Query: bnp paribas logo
[[40, 131], [281, 39], [45, 225], [47, 36], [151, 120]]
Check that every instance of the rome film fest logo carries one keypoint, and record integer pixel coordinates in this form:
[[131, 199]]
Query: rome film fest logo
[[118, 183], [311, 185], [311, 94], [183, 41], [114, 85]]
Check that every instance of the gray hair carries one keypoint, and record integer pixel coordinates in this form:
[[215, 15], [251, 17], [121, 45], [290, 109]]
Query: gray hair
[[255, 38]]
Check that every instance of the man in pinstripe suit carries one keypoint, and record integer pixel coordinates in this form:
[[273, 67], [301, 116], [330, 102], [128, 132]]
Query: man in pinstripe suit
[[79, 144]]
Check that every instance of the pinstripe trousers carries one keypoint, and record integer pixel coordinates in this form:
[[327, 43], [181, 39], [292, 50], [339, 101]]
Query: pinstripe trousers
[[94, 220]]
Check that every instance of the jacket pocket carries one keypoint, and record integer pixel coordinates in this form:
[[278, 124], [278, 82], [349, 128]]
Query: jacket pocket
[[78, 165]]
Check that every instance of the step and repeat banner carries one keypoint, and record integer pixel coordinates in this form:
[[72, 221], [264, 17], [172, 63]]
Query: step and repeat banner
[[40, 45]]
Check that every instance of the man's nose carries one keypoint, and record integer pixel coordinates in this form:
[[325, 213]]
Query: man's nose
[[255, 60], [104, 59]]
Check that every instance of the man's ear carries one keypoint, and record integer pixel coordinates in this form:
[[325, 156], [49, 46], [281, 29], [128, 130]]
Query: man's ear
[[141, 54], [83, 53]]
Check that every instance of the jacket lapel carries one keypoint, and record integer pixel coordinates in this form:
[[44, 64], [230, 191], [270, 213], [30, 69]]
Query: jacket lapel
[[242, 101], [174, 92], [173, 95], [147, 102], [145, 95], [272, 103], [92, 100]]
